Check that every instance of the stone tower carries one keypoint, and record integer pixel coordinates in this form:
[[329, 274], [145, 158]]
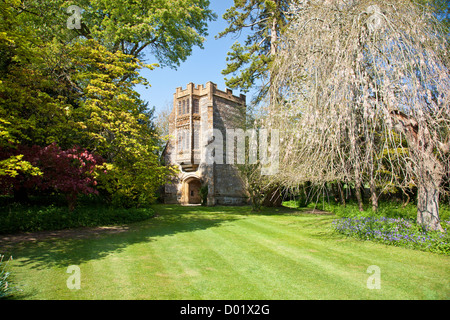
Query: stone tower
[[197, 112]]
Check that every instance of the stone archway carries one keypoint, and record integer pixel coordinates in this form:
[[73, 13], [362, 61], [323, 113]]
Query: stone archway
[[191, 191], [194, 192]]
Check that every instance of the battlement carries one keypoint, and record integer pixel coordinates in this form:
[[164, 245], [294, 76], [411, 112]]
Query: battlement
[[209, 89]]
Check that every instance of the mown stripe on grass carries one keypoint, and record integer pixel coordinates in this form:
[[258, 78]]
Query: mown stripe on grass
[[257, 277], [168, 276], [342, 260], [211, 273], [232, 257], [315, 278], [247, 250], [332, 272]]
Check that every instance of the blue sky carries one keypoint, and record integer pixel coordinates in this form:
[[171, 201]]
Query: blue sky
[[202, 66]]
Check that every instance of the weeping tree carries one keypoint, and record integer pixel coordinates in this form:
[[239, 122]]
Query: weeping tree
[[363, 87]]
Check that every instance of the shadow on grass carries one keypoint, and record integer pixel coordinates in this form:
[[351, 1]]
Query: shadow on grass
[[80, 246], [73, 247]]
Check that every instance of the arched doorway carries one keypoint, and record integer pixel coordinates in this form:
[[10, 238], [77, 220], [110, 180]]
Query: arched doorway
[[194, 192], [191, 191]]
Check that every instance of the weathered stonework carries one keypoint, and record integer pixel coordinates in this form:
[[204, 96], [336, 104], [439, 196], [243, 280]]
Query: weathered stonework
[[197, 111]]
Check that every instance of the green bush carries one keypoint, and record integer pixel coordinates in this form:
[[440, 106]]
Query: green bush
[[27, 218]]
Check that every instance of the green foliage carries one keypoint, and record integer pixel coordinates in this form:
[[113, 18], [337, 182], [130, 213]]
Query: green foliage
[[38, 217], [113, 120], [265, 21], [77, 87], [31, 105], [14, 164], [389, 209], [168, 29], [6, 289]]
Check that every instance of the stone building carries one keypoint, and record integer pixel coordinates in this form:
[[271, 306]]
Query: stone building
[[198, 112]]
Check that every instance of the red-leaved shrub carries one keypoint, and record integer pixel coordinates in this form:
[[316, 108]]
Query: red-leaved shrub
[[70, 172]]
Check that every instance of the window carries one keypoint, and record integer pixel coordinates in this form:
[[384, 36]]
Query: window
[[196, 140], [180, 141], [187, 106], [186, 140], [195, 106], [183, 107], [183, 140]]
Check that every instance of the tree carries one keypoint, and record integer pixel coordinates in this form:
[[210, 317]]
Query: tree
[[167, 29], [162, 123], [28, 111], [265, 20], [256, 184], [256, 165], [113, 121], [76, 87], [347, 68]]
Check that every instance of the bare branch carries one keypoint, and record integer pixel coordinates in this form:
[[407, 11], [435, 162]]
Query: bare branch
[[365, 97]]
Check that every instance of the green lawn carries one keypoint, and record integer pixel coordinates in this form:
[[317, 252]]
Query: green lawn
[[227, 253]]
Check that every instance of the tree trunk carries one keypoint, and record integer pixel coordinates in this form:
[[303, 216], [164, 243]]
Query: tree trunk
[[273, 52], [256, 199], [273, 35], [273, 198], [358, 182], [359, 196], [71, 201], [408, 198], [430, 173], [341, 193], [373, 195], [355, 158], [428, 208], [429, 170], [335, 192]]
